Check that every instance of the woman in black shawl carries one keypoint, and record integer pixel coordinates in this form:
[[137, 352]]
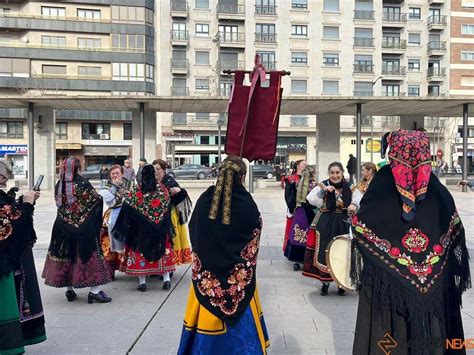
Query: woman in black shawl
[[332, 197], [223, 314], [413, 249], [75, 258], [144, 226], [21, 310]]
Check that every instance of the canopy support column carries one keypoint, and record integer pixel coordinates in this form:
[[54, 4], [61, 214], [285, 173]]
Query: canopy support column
[[465, 119], [31, 144], [358, 140]]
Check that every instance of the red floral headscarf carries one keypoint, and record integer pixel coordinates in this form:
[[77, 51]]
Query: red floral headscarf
[[410, 160]]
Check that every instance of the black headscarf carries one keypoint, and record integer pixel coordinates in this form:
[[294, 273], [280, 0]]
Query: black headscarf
[[225, 255]]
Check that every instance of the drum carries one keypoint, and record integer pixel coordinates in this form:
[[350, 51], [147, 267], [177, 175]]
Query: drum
[[338, 259]]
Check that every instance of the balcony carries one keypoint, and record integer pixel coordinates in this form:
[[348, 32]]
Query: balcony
[[363, 15], [437, 22], [232, 40], [394, 43], [363, 42], [269, 65], [436, 2], [265, 10], [231, 12], [435, 94], [363, 66], [363, 93], [395, 19], [265, 37], [392, 94], [179, 66], [232, 65], [436, 48], [179, 9], [393, 70], [179, 37], [179, 91], [436, 74], [179, 118]]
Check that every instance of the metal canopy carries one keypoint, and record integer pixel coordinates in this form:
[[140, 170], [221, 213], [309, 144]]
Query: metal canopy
[[294, 105]]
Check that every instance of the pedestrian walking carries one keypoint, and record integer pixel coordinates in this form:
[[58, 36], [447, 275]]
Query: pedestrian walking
[[332, 197], [352, 168], [223, 314], [141, 164], [75, 258], [128, 171], [144, 226], [410, 261], [21, 309]]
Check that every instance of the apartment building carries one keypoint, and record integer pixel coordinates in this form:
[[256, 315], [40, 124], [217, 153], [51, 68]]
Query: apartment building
[[77, 48], [335, 48]]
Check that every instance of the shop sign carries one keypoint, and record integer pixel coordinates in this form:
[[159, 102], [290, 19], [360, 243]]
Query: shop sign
[[11, 149], [373, 146]]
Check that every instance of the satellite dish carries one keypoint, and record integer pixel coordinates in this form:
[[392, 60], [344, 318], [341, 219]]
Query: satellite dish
[[25, 39]]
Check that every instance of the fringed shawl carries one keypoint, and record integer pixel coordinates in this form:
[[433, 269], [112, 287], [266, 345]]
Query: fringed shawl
[[181, 200]]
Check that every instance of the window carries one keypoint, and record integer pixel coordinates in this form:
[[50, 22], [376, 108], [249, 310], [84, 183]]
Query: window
[[433, 90], [390, 90], [414, 38], [413, 90], [127, 131], [53, 40], [299, 86], [414, 13], [89, 42], [331, 5], [299, 30], [267, 59], [298, 120], [149, 73], [363, 88], [11, 129], [61, 130], [4, 10], [124, 41], [128, 71], [202, 116], [265, 33], [299, 58], [15, 67], [331, 59], [330, 32], [54, 69], [467, 55], [413, 64], [53, 11], [131, 14], [229, 33], [96, 131], [202, 4], [299, 4], [202, 30], [467, 29], [88, 14], [89, 71], [202, 84], [202, 58], [354, 141], [330, 87]]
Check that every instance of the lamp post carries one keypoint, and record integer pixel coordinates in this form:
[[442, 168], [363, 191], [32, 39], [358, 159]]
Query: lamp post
[[220, 119], [372, 126]]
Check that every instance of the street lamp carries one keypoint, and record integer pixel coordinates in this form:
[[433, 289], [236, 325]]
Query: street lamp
[[220, 119], [372, 125]]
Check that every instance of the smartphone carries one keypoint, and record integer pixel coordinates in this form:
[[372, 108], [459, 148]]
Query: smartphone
[[38, 183]]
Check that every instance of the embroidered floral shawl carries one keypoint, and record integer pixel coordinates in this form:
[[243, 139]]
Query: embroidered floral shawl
[[225, 256]]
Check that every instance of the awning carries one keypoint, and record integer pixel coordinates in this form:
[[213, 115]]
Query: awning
[[196, 149], [107, 150]]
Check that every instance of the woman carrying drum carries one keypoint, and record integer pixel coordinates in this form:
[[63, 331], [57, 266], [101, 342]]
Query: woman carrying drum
[[332, 197], [358, 191]]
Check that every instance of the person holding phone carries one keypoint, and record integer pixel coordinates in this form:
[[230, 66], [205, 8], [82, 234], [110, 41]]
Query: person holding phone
[[21, 310], [75, 258]]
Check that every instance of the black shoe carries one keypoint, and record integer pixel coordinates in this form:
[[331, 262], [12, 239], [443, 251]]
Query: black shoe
[[113, 275], [171, 275], [71, 295], [166, 285], [324, 289], [296, 267], [141, 287], [100, 297], [341, 292]]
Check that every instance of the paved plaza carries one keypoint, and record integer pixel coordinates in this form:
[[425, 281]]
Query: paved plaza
[[298, 319]]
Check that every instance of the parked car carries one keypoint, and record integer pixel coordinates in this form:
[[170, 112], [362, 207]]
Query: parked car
[[92, 171], [263, 171], [195, 171]]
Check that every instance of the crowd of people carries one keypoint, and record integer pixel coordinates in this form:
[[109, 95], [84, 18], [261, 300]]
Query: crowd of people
[[410, 268]]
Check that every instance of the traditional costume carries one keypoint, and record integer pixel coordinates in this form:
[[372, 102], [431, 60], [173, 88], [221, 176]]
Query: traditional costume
[[223, 315], [113, 195], [21, 310], [181, 207], [330, 221], [358, 191], [75, 258], [144, 226], [295, 245], [413, 249], [291, 188]]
